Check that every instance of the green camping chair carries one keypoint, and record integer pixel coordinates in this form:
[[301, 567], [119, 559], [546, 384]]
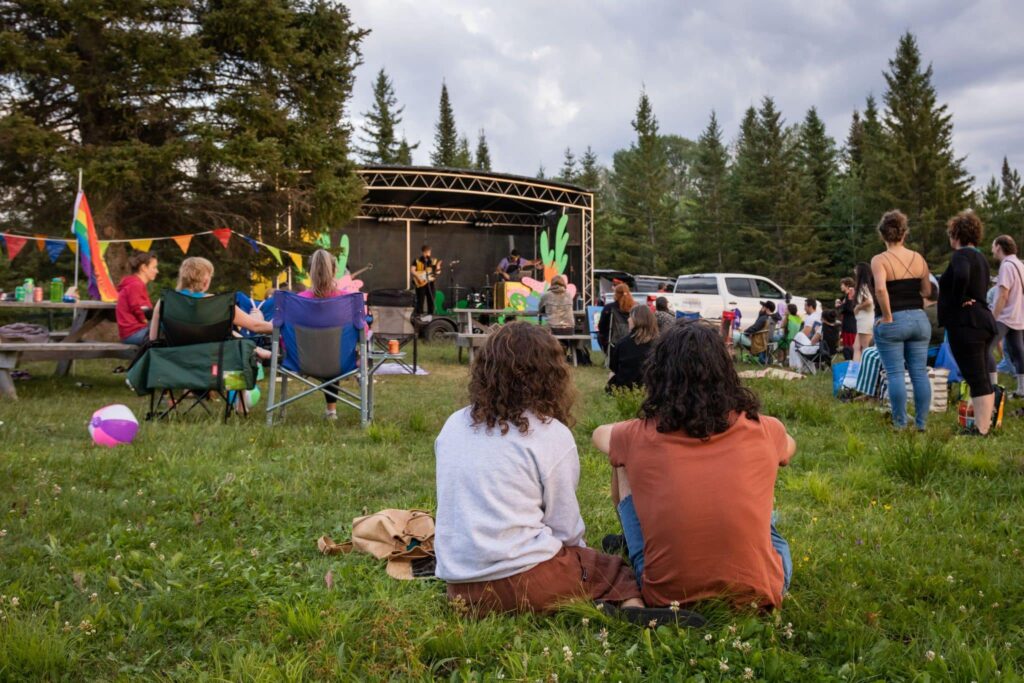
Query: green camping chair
[[198, 357]]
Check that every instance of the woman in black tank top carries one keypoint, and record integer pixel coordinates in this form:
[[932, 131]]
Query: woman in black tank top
[[963, 311], [902, 329]]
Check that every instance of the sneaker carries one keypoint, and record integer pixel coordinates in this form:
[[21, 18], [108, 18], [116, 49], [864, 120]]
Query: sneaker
[[969, 431], [653, 617], [330, 414]]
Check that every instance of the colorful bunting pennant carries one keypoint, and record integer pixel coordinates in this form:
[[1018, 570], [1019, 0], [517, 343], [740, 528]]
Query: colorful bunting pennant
[[183, 241], [103, 248], [141, 245], [40, 242], [224, 235], [73, 246], [14, 245], [296, 259], [54, 248], [276, 253], [252, 243]]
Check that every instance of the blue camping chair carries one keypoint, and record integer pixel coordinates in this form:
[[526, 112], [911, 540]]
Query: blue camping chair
[[324, 342]]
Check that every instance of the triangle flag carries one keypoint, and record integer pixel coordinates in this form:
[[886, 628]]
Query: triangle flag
[[223, 234], [252, 243], [276, 253], [54, 248], [141, 245], [183, 241], [73, 246], [40, 242], [103, 248], [296, 259], [14, 245]]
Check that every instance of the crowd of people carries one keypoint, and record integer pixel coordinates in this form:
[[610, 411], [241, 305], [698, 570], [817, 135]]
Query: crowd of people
[[693, 476]]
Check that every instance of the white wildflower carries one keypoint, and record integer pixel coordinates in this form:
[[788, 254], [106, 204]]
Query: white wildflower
[[723, 664], [748, 674], [152, 545]]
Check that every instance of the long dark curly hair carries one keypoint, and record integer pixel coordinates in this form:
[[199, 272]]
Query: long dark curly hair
[[521, 368], [692, 385]]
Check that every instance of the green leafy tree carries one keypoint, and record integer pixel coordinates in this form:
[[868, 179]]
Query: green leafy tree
[[182, 116], [483, 153], [446, 134], [379, 131], [923, 175]]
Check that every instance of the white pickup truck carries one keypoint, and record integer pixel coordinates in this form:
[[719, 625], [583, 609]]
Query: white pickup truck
[[711, 293]]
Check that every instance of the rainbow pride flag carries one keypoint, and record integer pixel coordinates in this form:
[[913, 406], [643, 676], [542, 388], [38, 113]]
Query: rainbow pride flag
[[100, 286]]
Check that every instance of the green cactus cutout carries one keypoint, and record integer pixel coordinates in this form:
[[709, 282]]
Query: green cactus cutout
[[555, 259], [323, 241], [342, 255]]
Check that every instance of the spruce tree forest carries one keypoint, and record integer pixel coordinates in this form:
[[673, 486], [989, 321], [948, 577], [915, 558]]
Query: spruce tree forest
[[184, 116]]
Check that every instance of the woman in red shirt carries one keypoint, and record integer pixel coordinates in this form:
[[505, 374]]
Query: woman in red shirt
[[133, 299], [694, 479]]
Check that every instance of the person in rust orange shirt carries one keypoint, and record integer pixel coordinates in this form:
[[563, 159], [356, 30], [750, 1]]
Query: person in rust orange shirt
[[693, 479]]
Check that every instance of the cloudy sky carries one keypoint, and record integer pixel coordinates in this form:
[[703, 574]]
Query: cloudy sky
[[542, 75]]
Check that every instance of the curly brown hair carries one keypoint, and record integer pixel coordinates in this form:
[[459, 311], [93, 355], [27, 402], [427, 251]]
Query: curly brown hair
[[520, 368], [893, 226], [691, 383], [966, 228]]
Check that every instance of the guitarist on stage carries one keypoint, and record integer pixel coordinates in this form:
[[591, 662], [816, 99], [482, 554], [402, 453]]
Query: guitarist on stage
[[511, 266], [425, 270]]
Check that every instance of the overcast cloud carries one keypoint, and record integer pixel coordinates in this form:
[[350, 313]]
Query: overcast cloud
[[540, 76]]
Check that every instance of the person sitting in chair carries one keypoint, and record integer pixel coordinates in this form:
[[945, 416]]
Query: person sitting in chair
[[693, 479], [194, 277], [809, 335], [323, 285], [744, 338], [665, 315], [511, 266]]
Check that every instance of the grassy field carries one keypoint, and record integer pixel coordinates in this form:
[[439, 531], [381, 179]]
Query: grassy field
[[191, 554]]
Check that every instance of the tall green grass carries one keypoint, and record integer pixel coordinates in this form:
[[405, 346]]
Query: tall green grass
[[191, 554]]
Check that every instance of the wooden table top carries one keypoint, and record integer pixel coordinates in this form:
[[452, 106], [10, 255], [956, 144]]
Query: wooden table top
[[60, 305]]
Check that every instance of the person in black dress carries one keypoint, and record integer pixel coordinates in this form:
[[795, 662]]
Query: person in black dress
[[629, 355], [964, 312]]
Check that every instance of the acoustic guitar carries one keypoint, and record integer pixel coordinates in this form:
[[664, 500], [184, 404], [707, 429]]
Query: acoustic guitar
[[424, 278]]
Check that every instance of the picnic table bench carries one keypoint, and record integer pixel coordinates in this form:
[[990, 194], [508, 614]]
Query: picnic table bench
[[468, 338], [13, 352]]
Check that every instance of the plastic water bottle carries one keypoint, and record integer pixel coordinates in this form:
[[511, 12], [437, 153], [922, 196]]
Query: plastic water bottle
[[19, 293], [56, 289]]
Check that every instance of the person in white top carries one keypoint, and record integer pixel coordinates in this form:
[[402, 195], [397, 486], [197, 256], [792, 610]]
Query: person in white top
[[864, 308], [809, 335], [1009, 307], [509, 535]]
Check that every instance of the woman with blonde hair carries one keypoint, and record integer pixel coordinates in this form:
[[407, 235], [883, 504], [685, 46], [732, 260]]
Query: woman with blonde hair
[[194, 277], [322, 276]]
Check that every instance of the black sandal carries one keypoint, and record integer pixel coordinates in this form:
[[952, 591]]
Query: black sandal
[[653, 617]]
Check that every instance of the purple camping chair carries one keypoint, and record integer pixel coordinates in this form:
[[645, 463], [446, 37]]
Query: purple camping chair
[[324, 342]]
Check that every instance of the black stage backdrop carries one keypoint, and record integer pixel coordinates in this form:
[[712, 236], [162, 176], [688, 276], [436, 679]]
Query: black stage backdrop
[[477, 248]]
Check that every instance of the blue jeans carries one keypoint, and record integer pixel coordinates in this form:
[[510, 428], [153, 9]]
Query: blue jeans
[[903, 343], [635, 543], [138, 337]]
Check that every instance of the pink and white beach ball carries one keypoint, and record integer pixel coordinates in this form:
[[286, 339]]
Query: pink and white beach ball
[[113, 425]]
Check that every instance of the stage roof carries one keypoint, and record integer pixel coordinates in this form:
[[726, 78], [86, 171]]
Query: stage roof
[[452, 195]]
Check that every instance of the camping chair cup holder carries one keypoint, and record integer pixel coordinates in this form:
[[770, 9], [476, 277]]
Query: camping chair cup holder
[[391, 312]]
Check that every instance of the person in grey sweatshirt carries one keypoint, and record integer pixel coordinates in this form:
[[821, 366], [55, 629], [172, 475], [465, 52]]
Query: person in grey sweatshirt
[[509, 535]]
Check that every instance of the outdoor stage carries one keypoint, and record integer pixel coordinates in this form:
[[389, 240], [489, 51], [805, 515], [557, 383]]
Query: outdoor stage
[[471, 217]]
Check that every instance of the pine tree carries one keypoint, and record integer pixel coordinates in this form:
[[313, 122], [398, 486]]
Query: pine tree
[[463, 157], [817, 153], [446, 135], [483, 153], [569, 172], [712, 243], [923, 176], [853, 150], [540, 172], [643, 200], [382, 146], [1011, 190], [403, 156], [182, 115], [589, 175]]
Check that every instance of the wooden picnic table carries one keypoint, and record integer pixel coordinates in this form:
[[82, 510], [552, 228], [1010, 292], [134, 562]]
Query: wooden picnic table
[[86, 315], [467, 337]]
